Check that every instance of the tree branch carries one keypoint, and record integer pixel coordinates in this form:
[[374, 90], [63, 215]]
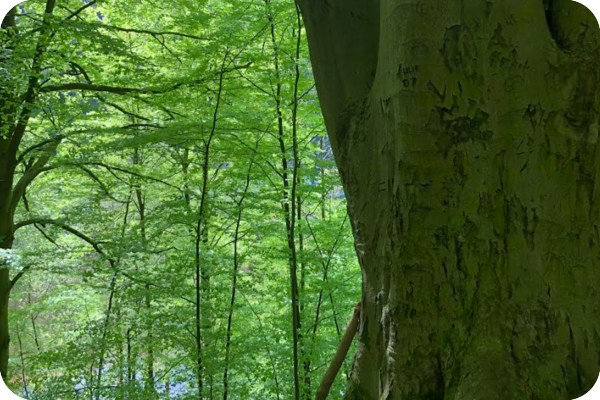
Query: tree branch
[[63, 226], [153, 33], [340, 355], [95, 245], [80, 9], [130, 90], [99, 88], [104, 188], [37, 146], [123, 110], [34, 171], [110, 168], [17, 132], [22, 272]]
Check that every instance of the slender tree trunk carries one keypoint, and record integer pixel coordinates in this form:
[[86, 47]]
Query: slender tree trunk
[[111, 299], [23, 369], [120, 356], [130, 359], [201, 230], [149, 340], [466, 134], [323, 187], [141, 207], [36, 338], [236, 238], [185, 166], [105, 329], [231, 306], [267, 347], [289, 193], [305, 351], [325, 282]]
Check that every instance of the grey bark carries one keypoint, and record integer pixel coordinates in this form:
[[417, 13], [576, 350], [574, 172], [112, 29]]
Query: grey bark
[[466, 134]]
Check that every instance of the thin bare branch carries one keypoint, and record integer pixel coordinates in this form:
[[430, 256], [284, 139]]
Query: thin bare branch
[[80, 10]]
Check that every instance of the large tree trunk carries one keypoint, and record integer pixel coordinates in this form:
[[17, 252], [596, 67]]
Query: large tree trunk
[[466, 133]]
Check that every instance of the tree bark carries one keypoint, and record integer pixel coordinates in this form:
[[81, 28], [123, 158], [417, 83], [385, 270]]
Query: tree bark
[[6, 216], [12, 128], [466, 134], [6, 241]]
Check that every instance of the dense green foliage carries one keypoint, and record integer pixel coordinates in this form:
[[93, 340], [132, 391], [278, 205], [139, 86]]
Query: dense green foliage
[[183, 139]]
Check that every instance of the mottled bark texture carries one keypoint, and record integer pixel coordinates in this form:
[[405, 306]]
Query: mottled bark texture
[[466, 133]]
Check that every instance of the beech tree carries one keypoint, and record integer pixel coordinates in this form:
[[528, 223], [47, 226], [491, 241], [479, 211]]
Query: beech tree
[[172, 223], [466, 134]]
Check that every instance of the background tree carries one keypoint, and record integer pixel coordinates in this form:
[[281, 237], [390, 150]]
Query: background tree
[[151, 122]]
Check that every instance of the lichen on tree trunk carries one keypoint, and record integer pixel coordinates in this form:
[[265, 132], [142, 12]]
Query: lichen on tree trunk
[[466, 135]]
